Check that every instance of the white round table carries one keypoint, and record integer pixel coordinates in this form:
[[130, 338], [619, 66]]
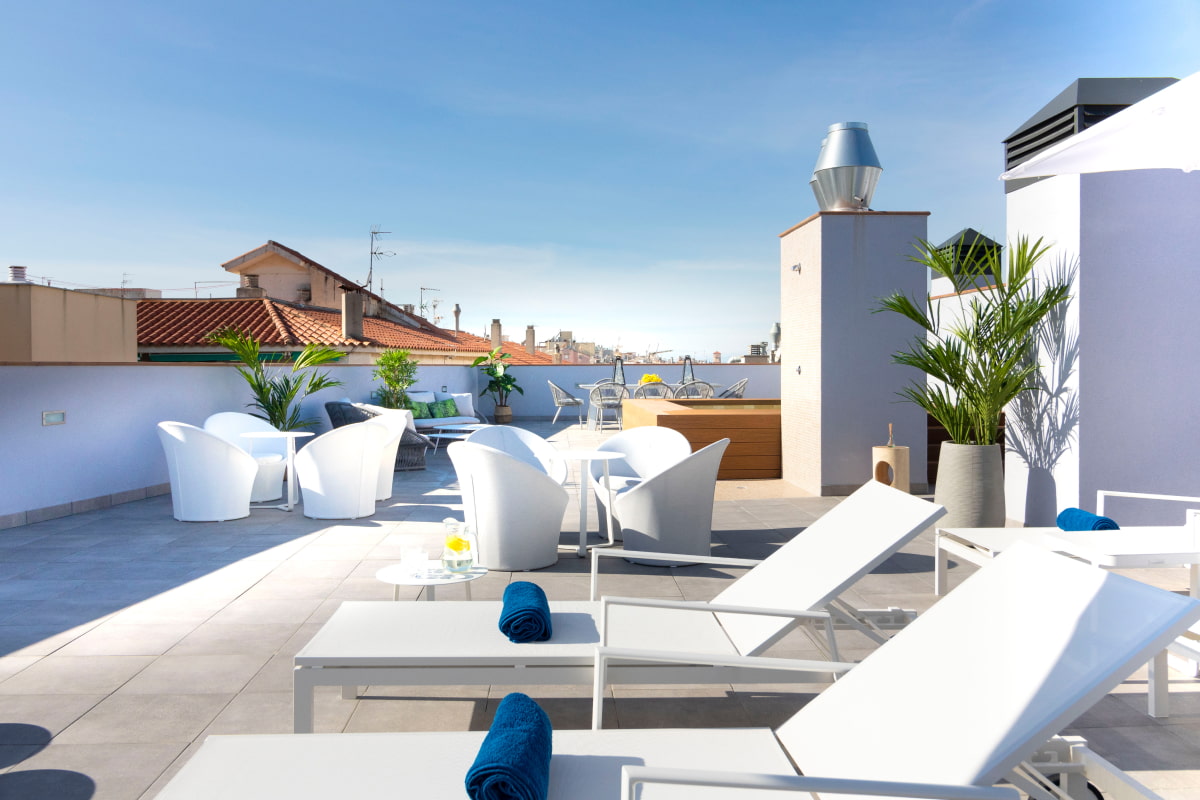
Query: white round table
[[584, 457], [429, 574], [291, 437]]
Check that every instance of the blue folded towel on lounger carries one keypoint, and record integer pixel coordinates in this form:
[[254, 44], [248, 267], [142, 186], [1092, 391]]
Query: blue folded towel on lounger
[[514, 760], [526, 614], [1076, 519]]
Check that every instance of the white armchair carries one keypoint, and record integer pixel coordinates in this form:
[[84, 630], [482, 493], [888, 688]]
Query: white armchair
[[516, 510], [646, 452], [524, 445], [211, 479], [271, 454], [671, 512], [396, 421], [338, 472]]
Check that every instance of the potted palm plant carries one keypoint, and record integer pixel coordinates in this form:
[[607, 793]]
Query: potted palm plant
[[977, 360], [277, 392], [501, 383]]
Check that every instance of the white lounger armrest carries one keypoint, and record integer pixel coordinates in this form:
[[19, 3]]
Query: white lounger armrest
[[604, 655], [617, 552], [632, 776], [704, 605], [1103, 493]]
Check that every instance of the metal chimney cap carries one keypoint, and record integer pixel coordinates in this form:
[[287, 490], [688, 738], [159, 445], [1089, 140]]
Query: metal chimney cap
[[841, 126]]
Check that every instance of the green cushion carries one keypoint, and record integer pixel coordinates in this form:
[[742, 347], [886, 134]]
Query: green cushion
[[444, 408], [421, 410]]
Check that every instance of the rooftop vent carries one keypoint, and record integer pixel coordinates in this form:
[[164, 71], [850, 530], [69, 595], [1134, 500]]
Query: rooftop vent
[[847, 169], [17, 275], [1077, 108]]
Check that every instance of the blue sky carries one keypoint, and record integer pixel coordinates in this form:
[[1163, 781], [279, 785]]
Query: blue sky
[[618, 169]]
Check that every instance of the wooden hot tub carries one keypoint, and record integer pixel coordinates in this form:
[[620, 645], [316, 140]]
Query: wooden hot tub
[[752, 427]]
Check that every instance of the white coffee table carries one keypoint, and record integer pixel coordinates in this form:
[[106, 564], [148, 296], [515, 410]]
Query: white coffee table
[[457, 432], [429, 574]]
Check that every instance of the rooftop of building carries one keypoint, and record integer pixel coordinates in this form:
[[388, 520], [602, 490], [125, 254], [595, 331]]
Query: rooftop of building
[[128, 637]]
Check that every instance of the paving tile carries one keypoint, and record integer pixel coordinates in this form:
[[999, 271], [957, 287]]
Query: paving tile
[[196, 674], [114, 639], [118, 771], [25, 718], [220, 638], [58, 674], [146, 718]]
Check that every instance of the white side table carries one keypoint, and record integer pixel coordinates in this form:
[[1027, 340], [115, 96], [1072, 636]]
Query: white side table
[[429, 574], [585, 457], [291, 437]]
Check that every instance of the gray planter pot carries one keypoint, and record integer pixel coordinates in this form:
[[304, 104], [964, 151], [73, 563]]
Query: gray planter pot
[[970, 484]]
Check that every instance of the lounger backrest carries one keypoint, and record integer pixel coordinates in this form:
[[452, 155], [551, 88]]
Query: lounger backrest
[[975, 684], [823, 560]]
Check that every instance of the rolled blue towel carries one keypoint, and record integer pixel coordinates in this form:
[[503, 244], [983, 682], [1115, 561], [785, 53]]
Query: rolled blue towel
[[1076, 519], [526, 614], [514, 759]]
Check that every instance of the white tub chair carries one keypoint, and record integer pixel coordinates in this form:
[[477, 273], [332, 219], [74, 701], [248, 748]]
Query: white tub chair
[[211, 479], [524, 445], [271, 454], [515, 510], [646, 452], [397, 421], [338, 472], [671, 512]]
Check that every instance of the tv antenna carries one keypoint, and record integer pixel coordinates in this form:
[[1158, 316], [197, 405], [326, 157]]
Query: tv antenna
[[376, 253], [425, 308]]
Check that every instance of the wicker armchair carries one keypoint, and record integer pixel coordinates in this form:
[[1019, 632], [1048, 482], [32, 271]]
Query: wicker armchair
[[653, 391], [698, 389], [737, 390], [564, 399], [411, 454]]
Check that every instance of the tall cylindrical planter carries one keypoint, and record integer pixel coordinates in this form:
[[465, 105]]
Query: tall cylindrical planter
[[970, 484]]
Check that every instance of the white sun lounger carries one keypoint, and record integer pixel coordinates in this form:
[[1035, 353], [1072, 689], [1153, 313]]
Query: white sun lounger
[[964, 697], [442, 643]]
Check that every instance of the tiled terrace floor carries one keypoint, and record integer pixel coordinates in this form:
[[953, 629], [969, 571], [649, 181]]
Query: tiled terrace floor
[[126, 637]]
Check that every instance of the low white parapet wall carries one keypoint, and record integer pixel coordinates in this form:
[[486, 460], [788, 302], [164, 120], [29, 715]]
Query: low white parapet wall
[[106, 451]]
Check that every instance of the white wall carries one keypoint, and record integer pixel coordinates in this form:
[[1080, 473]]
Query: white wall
[[1045, 481], [1135, 312], [838, 405], [108, 451]]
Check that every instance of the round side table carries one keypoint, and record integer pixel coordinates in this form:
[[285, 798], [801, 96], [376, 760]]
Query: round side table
[[431, 575]]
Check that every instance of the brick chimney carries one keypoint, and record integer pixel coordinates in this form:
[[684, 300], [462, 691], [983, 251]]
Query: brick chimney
[[495, 333], [530, 340], [352, 313]]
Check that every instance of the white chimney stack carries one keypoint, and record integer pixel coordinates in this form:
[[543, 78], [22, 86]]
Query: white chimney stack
[[352, 314], [17, 275], [495, 333]]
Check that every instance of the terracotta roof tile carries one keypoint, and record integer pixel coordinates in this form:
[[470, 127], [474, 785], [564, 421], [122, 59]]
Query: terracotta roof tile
[[186, 323], [518, 355]]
